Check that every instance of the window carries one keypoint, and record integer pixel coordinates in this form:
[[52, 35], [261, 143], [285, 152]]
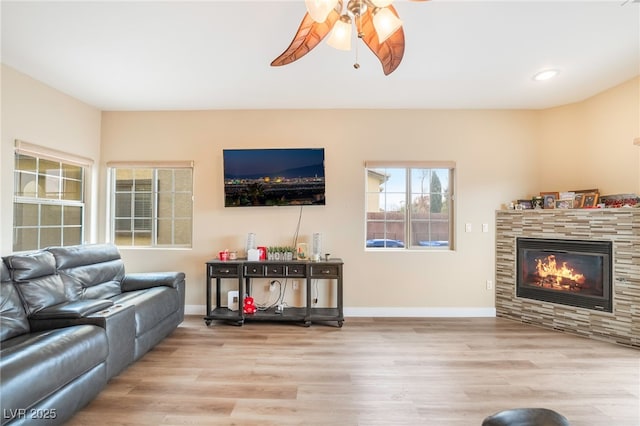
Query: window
[[48, 207], [152, 204], [409, 205]]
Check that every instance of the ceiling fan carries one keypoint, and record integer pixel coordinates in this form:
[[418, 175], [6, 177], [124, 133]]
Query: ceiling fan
[[376, 21]]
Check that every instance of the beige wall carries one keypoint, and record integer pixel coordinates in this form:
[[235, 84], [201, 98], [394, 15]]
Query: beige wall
[[590, 144], [500, 156], [36, 113], [492, 150]]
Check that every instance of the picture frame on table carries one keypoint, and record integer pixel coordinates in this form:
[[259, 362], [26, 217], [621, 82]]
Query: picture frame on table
[[578, 200], [549, 199], [590, 200]]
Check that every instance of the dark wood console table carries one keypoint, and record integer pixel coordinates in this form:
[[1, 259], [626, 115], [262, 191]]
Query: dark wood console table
[[243, 271]]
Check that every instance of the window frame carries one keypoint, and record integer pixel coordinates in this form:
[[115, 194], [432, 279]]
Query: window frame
[[408, 218], [43, 154], [155, 167]]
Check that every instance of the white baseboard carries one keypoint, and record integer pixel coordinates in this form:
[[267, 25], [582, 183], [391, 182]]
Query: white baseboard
[[387, 312], [195, 310]]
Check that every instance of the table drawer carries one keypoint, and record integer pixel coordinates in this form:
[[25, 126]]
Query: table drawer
[[296, 271], [324, 271], [223, 270], [277, 270], [254, 270]]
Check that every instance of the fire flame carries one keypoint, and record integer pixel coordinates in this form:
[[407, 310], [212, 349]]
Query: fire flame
[[548, 268]]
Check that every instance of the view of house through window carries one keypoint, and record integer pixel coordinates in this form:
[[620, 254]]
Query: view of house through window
[[152, 206], [48, 208], [409, 205]]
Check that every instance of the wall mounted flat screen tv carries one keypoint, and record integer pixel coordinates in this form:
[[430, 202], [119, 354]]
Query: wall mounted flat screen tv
[[273, 177]]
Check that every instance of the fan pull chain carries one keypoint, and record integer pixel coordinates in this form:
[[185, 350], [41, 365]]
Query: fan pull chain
[[356, 65]]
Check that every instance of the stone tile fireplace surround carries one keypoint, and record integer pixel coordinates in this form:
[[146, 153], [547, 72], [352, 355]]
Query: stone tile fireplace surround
[[620, 226]]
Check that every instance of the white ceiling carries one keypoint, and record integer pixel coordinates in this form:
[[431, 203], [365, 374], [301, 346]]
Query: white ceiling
[[165, 55]]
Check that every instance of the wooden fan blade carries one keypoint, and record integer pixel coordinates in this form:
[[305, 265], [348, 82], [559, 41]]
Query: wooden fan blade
[[309, 35], [390, 52]]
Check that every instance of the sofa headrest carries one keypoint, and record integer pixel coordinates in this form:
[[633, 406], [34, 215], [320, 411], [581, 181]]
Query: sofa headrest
[[13, 318], [84, 254], [90, 271], [4, 273], [31, 265], [34, 275]]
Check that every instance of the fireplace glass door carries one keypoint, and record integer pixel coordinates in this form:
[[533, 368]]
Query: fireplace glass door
[[569, 272]]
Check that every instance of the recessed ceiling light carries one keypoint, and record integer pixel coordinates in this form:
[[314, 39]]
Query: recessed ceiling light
[[545, 74]]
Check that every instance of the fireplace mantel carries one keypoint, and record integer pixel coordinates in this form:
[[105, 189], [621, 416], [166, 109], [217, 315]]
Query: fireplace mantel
[[620, 226]]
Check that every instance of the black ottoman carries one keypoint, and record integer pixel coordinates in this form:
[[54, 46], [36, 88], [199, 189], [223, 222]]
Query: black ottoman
[[526, 417]]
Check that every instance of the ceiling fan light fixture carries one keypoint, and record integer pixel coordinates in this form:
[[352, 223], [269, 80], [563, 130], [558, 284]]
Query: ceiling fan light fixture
[[386, 23], [319, 9], [340, 37], [384, 37]]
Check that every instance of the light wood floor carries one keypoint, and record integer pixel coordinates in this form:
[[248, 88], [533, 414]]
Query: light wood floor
[[440, 372]]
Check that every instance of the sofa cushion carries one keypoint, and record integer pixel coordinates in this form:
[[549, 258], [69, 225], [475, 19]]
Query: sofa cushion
[[89, 271], [34, 275], [34, 366], [13, 318], [151, 306]]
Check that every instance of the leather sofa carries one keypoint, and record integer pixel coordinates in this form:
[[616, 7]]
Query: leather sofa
[[71, 319]]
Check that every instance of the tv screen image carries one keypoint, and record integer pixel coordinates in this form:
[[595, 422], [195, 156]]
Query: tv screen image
[[273, 177]]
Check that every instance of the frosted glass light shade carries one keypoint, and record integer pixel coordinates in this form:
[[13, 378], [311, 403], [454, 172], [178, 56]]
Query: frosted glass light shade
[[385, 23], [340, 37], [319, 9], [381, 3]]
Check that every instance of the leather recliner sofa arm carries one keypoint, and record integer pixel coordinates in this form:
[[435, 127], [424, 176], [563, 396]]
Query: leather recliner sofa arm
[[144, 280], [71, 310], [118, 322]]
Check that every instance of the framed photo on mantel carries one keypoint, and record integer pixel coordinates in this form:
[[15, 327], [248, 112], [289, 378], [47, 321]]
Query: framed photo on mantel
[[585, 191], [564, 203], [590, 200], [586, 198], [549, 199]]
